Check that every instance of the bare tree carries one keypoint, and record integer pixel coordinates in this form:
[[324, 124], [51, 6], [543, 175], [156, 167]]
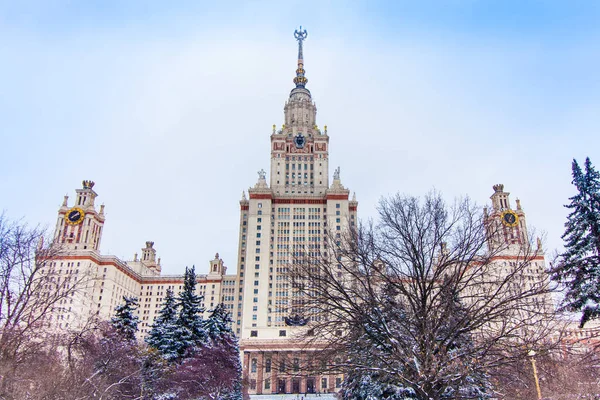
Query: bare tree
[[563, 375], [427, 301], [29, 291]]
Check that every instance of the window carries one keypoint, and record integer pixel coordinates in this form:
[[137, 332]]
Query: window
[[282, 365], [253, 365], [253, 333], [268, 365], [282, 332], [338, 382], [296, 365], [267, 383], [323, 383], [253, 384]]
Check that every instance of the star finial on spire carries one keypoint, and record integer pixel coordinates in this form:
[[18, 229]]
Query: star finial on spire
[[300, 80]]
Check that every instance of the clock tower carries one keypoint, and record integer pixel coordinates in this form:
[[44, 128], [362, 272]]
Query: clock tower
[[79, 227], [299, 149], [506, 226], [293, 213]]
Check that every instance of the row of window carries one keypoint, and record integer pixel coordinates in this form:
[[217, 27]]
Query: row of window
[[282, 384]]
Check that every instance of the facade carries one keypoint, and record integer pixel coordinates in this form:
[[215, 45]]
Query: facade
[[290, 216], [103, 280], [507, 229]]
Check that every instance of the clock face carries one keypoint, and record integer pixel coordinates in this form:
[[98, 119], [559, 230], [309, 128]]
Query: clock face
[[509, 218], [299, 140], [74, 216]]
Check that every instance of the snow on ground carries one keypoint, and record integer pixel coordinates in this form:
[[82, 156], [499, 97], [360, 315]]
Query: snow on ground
[[329, 396]]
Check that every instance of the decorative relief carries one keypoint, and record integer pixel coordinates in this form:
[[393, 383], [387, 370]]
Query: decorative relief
[[305, 149], [320, 146], [278, 146]]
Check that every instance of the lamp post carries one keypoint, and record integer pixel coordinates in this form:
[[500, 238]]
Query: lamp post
[[531, 355]]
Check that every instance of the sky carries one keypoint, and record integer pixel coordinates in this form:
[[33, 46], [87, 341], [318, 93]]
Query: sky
[[168, 107]]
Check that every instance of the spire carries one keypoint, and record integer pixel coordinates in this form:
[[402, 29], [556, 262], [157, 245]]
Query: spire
[[300, 80]]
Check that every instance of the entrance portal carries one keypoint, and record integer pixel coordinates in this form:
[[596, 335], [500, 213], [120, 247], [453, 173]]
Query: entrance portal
[[310, 385], [281, 386], [295, 385]]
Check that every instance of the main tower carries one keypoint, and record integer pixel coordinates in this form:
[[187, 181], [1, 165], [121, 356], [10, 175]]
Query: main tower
[[292, 216]]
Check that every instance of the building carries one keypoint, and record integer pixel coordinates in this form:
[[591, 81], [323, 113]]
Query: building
[[279, 220], [294, 213], [103, 280], [289, 216]]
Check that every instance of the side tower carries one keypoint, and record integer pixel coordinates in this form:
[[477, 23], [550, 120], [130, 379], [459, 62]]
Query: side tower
[[513, 250], [79, 227], [97, 282], [285, 217], [506, 228]]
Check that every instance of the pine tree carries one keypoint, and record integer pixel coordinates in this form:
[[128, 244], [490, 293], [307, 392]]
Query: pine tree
[[362, 385], [578, 268], [190, 326], [367, 379], [220, 333], [229, 343], [400, 372], [459, 352], [125, 322], [162, 336], [219, 323]]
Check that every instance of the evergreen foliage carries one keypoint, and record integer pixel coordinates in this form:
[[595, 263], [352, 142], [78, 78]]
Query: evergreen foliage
[[163, 335], [190, 326], [359, 385], [220, 332], [125, 322], [459, 356], [381, 369], [219, 323], [578, 268], [394, 379], [205, 369]]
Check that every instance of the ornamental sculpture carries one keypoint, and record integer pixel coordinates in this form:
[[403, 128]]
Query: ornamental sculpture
[[296, 320]]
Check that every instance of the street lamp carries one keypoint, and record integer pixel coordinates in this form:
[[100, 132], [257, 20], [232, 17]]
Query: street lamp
[[531, 355]]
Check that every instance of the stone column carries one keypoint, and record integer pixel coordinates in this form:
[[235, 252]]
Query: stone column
[[259, 374], [303, 371], [245, 369], [274, 372]]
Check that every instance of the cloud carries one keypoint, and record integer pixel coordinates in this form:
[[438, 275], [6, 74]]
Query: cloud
[[173, 120]]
